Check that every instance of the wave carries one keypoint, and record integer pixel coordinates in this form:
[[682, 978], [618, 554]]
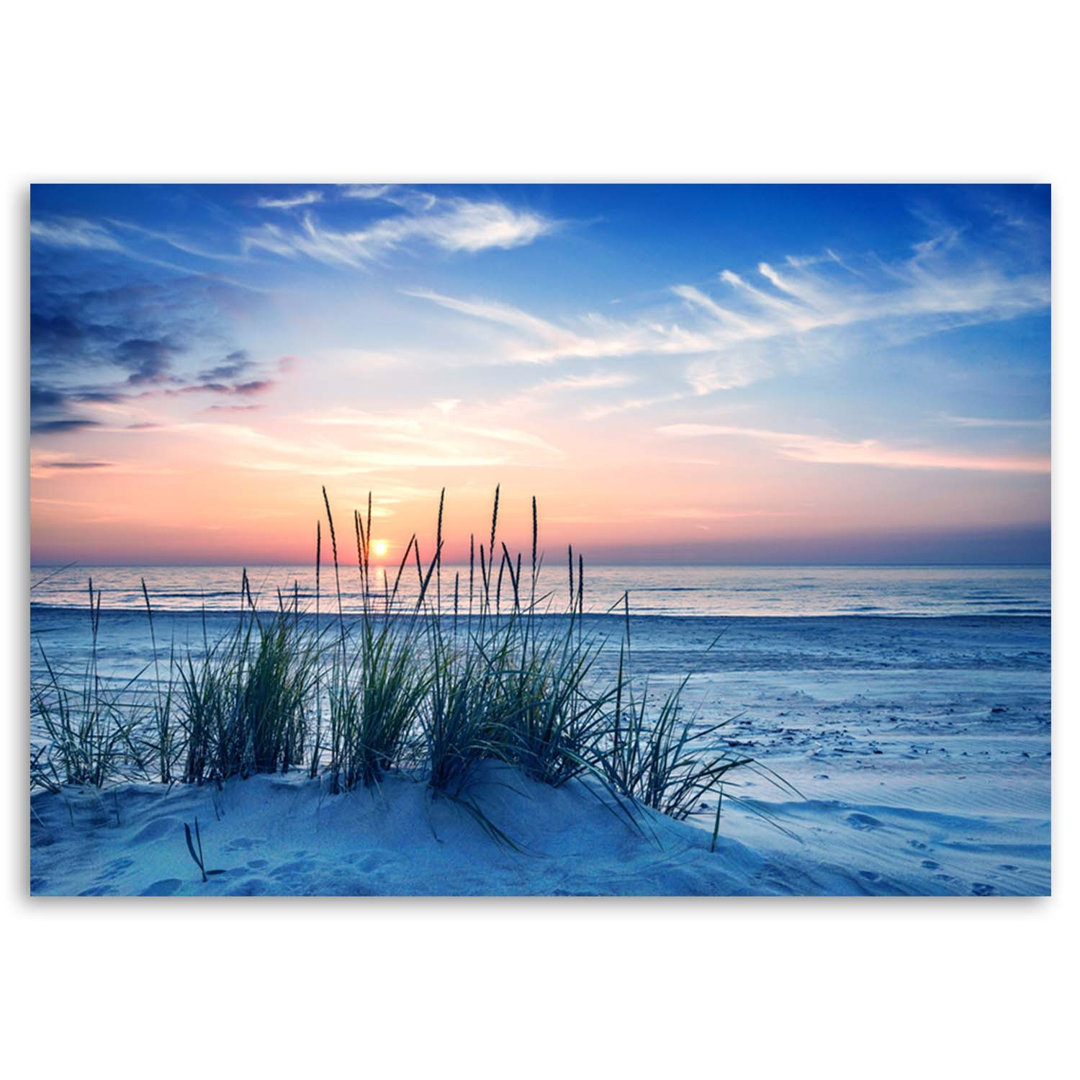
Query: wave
[[1033, 615]]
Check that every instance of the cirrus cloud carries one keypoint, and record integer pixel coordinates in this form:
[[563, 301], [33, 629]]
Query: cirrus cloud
[[449, 224], [821, 450]]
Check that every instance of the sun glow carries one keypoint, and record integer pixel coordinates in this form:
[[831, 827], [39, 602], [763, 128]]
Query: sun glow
[[379, 548]]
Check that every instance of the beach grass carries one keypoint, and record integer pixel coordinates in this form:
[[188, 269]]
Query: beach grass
[[92, 733], [244, 704], [425, 687]]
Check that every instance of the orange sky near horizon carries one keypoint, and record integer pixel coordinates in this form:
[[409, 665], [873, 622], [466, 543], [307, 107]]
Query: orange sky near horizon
[[220, 493]]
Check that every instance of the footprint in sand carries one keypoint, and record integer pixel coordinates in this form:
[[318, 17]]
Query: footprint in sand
[[373, 861], [1007, 866], [929, 864], [156, 830], [243, 844], [115, 869], [980, 888], [164, 887], [254, 887], [863, 821], [293, 869]]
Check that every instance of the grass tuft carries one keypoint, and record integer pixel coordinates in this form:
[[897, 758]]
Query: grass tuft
[[400, 687]]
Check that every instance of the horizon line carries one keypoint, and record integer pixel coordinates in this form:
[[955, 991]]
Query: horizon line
[[924, 564]]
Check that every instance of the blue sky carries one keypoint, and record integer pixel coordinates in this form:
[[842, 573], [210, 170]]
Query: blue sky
[[701, 373]]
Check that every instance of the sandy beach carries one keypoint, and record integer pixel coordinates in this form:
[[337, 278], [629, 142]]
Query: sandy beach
[[920, 747]]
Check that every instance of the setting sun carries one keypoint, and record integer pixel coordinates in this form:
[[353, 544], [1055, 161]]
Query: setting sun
[[379, 548]]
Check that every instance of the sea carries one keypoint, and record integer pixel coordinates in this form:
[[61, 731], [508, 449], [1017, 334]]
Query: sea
[[716, 591]]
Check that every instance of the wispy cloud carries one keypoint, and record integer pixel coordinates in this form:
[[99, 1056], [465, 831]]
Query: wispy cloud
[[494, 312], [745, 327], [421, 428], [994, 422], [257, 451], [600, 380], [74, 233], [448, 224], [67, 465], [78, 234], [360, 441], [822, 450], [62, 427], [366, 191], [177, 241], [289, 202], [600, 412], [243, 389], [48, 467], [396, 194], [592, 337]]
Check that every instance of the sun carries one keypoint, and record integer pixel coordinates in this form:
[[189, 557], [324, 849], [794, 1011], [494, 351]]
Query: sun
[[379, 548]]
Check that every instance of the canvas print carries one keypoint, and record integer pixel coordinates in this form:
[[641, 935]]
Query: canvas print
[[561, 540]]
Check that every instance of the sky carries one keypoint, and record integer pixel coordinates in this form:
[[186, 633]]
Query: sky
[[678, 373]]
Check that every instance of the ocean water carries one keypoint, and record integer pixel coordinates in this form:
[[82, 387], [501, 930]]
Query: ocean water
[[718, 591]]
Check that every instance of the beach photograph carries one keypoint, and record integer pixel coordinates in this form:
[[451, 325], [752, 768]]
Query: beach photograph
[[564, 539], [541, 540]]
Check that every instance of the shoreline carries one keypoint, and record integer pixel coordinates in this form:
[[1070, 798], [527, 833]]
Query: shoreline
[[603, 618]]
